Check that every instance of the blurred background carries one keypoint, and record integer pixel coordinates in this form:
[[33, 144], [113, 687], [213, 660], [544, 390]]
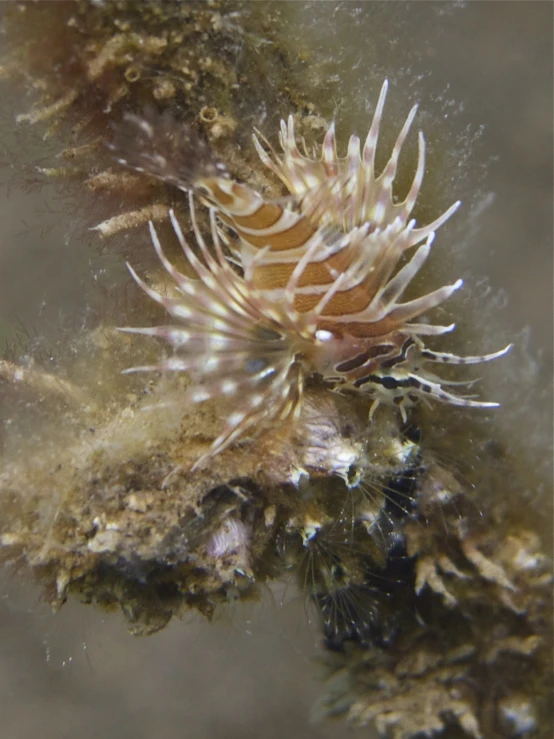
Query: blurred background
[[483, 74]]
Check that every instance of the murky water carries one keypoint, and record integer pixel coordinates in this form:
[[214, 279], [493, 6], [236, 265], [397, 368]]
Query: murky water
[[490, 67]]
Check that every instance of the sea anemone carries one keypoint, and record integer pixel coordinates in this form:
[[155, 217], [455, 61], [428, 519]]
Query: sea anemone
[[320, 276]]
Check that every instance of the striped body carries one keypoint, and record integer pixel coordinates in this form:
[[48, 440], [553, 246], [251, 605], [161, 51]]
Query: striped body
[[322, 276]]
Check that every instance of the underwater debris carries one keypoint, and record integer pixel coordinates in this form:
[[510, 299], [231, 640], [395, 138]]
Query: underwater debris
[[452, 668]]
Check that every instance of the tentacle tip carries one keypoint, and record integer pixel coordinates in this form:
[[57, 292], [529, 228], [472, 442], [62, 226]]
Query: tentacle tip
[[498, 354], [411, 115]]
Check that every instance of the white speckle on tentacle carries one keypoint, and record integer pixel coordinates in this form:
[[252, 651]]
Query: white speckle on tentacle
[[323, 335], [199, 395], [228, 387], [181, 311], [211, 364], [235, 418]]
